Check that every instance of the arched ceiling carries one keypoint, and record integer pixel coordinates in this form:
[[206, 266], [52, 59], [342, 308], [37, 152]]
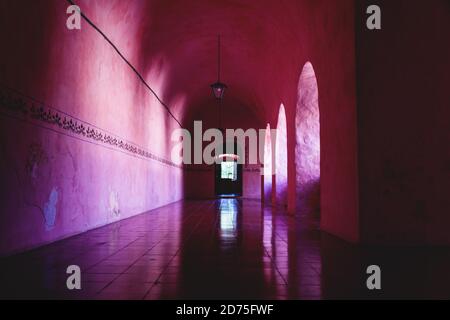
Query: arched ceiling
[[174, 46]]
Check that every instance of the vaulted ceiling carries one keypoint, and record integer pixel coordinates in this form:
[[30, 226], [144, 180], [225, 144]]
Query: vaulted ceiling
[[174, 46]]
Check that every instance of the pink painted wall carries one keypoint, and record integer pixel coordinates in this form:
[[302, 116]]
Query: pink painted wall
[[56, 182], [403, 123]]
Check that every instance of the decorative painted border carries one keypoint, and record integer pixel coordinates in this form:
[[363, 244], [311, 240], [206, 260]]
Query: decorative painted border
[[29, 108]]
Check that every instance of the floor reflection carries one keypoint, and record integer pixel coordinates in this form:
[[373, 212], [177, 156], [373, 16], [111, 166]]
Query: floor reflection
[[228, 248], [228, 212]]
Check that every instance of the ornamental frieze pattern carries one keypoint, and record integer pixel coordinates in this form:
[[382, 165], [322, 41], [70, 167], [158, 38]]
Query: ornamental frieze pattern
[[27, 108]]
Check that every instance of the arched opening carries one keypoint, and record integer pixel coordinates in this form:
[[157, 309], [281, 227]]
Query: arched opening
[[228, 172], [281, 174], [307, 147], [268, 166]]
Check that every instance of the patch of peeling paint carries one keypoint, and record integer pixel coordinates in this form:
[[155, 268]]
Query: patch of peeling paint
[[114, 207], [50, 210], [36, 157]]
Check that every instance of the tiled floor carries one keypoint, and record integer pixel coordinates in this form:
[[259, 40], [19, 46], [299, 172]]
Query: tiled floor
[[226, 248]]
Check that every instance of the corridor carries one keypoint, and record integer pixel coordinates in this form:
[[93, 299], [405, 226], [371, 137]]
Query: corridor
[[242, 149], [223, 249]]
